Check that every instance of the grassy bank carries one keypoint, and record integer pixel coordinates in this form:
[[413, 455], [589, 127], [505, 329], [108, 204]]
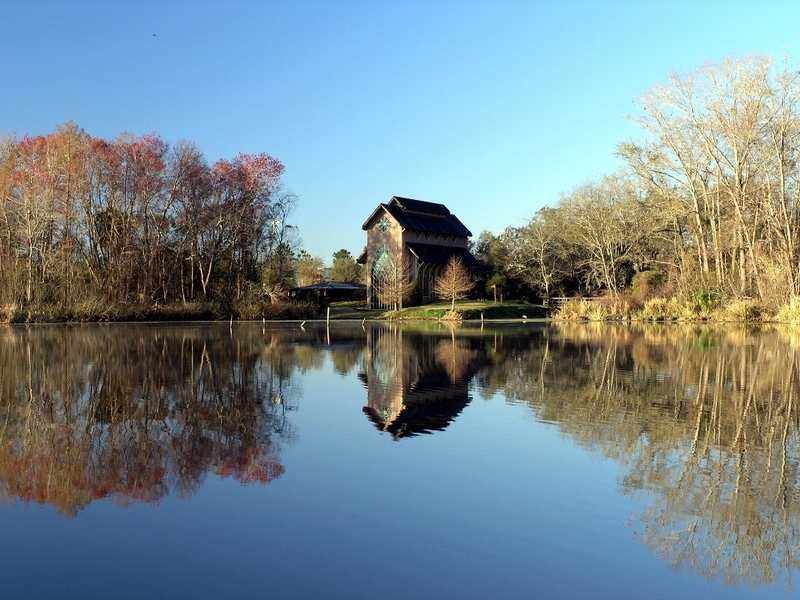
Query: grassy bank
[[95, 312], [625, 308], [465, 310]]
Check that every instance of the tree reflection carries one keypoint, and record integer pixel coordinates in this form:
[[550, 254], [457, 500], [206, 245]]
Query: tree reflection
[[704, 421], [136, 413]]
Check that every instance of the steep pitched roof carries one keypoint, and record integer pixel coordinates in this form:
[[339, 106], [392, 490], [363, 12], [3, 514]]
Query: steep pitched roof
[[421, 418], [419, 206], [425, 217]]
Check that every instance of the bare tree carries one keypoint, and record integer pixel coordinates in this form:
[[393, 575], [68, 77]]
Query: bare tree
[[723, 154], [608, 223], [392, 279], [454, 283], [281, 240], [537, 253]]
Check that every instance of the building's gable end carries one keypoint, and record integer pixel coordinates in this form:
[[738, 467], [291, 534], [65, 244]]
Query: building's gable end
[[377, 215]]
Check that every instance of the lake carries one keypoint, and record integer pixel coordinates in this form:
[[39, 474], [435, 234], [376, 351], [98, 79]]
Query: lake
[[532, 460]]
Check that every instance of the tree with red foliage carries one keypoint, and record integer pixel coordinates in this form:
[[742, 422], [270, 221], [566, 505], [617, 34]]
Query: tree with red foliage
[[133, 221]]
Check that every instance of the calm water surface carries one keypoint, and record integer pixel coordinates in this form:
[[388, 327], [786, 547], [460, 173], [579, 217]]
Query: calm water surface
[[524, 461]]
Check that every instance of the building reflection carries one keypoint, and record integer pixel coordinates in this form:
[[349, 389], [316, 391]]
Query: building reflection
[[416, 384]]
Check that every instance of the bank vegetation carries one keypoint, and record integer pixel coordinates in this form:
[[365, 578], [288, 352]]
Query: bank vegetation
[[700, 223]]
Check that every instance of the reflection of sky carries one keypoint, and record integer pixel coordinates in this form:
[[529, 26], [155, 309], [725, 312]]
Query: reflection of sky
[[497, 505]]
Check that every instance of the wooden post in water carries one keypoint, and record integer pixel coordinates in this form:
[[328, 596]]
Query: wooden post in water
[[329, 316]]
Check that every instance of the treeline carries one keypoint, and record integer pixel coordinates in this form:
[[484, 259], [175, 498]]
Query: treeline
[[705, 210], [88, 225]]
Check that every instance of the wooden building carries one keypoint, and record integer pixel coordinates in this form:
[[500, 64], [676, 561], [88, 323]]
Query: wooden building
[[410, 240]]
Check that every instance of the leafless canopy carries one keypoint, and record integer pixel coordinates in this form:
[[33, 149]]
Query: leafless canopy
[[454, 283]]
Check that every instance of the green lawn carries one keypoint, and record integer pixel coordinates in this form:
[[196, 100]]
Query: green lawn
[[469, 309]]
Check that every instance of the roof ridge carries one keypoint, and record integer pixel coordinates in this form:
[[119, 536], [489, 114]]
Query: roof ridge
[[420, 206]]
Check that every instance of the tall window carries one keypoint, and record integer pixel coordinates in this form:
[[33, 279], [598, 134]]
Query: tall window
[[392, 278], [382, 260]]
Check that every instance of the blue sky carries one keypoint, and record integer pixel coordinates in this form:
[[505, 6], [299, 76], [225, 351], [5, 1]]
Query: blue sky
[[492, 108]]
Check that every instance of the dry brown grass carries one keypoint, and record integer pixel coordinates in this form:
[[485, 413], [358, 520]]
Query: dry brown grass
[[790, 313], [452, 315], [598, 309], [626, 308], [9, 313], [744, 310]]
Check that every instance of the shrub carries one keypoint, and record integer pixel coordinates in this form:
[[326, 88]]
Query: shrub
[[744, 311], [413, 296], [284, 311], [657, 309], [94, 309], [10, 314], [790, 313], [645, 283], [572, 309], [599, 309], [451, 315], [705, 299]]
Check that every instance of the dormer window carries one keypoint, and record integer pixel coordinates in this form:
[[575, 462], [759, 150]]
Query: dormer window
[[384, 224]]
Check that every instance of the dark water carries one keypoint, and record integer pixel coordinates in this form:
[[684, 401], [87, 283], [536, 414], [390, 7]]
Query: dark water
[[533, 461]]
